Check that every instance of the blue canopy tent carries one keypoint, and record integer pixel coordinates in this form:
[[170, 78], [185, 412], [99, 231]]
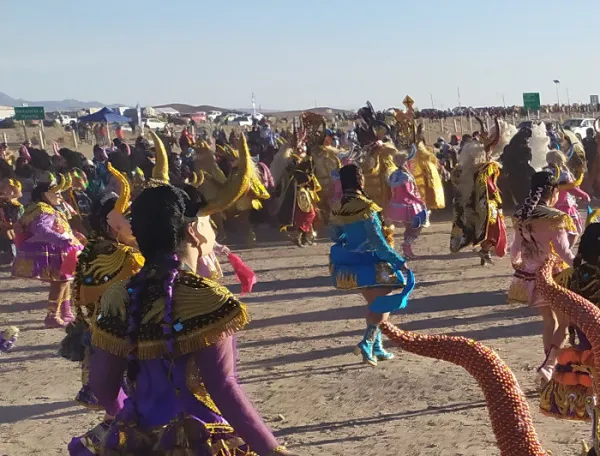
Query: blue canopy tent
[[105, 115]]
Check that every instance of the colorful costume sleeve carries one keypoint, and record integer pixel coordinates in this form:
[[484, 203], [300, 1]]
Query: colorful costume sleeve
[[106, 375], [43, 231], [578, 193], [217, 369], [375, 237], [562, 246]]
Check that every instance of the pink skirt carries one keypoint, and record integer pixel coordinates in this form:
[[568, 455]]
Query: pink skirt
[[403, 213]]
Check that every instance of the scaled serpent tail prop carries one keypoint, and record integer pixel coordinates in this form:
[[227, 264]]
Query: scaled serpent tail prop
[[583, 314], [506, 403]]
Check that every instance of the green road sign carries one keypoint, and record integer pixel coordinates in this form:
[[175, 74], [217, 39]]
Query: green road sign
[[30, 113], [531, 101]]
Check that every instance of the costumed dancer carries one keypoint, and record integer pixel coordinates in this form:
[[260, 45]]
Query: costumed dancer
[[570, 392], [363, 259], [11, 211], [424, 167], [516, 172], [478, 218], [569, 189], [541, 232], [208, 263], [299, 205], [110, 256], [406, 206], [172, 333], [47, 249], [320, 147]]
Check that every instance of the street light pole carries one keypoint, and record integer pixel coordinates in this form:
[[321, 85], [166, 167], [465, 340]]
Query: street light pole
[[557, 83]]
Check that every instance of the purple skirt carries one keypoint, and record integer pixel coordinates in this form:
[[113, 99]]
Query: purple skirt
[[40, 260]]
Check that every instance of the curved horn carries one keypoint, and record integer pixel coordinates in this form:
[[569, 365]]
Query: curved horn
[[68, 182], [237, 185], [199, 179], [493, 141], [59, 185], [161, 167], [597, 125], [124, 190], [480, 122]]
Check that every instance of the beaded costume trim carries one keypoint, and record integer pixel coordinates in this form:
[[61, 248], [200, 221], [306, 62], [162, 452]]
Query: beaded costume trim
[[36, 209], [100, 264], [356, 209], [204, 312]]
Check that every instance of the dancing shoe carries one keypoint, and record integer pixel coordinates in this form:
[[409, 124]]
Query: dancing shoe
[[378, 351], [365, 347], [86, 398], [546, 370], [53, 318], [407, 251], [65, 311], [427, 223], [486, 258]]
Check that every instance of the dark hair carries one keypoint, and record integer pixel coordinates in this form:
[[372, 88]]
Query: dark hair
[[589, 246], [74, 159], [351, 177], [196, 200], [6, 170], [37, 194], [158, 224], [23, 169], [543, 184], [40, 159], [99, 213]]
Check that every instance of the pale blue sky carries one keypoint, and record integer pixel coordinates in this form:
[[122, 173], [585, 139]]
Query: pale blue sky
[[295, 53]]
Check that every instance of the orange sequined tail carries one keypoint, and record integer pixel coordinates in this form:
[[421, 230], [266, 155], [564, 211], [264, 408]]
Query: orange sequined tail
[[507, 405]]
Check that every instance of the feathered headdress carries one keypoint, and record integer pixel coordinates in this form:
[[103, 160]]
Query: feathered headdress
[[539, 143]]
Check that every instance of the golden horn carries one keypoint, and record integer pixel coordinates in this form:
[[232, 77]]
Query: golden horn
[[232, 151], [572, 185], [237, 185], [200, 179], [124, 190], [161, 167], [60, 184], [68, 182]]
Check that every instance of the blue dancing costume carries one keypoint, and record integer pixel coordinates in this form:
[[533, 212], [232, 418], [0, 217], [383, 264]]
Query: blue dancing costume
[[362, 257]]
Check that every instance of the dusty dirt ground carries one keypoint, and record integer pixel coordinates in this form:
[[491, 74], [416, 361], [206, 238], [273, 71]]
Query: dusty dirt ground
[[296, 364]]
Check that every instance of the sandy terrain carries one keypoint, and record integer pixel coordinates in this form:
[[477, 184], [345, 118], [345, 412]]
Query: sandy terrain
[[296, 362]]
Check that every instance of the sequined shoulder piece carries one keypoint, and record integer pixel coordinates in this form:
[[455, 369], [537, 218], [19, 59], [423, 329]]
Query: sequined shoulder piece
[[544, 217], [353, 210], [204, 312], [100, 264], [34, 210]]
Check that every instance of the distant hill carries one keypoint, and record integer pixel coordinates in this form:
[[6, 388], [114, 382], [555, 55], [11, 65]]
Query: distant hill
[[324, 111], [50, 106], [189, 109]]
